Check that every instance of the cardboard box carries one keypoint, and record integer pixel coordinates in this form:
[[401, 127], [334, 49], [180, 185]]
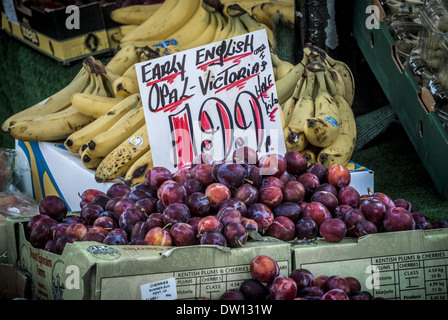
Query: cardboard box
[[14, 284], [414, 105], [48, 168], [93, 271], [13, 204], [403, 265], [47, 33], [112, 28]]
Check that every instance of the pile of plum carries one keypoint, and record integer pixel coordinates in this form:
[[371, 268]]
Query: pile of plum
[[225, 203], [301, 284]]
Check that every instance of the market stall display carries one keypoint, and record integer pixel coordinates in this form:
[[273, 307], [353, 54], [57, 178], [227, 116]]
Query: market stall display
[[143, 223]]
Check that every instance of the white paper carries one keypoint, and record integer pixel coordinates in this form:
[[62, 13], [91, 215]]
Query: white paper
[[211, 99], [160, 290]]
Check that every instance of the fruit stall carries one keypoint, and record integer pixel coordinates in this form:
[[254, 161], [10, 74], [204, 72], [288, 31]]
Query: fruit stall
[[223, 150]]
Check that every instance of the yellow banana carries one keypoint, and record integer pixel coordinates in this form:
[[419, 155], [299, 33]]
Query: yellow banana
[[285, 85], [222, 23], [123, 59], [116, 163], [93, 105], [136, 14], [311, 153], [341, 150], [136, 172], [283, 67], [186, 34], [348, 79], [58, 101], [127, 84], [259, 15], [285, 10], [238, 28], [102, 144], [225, 32], [74, 142], [192, 29], [160, 26], [341, 68], [89, 160], [127, 28], [304, 108], [209, 33], [253, 25], [291, 102], [323, 129], [53, 127], [331, 75]]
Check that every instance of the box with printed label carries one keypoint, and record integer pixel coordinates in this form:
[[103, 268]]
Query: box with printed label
[[94, 271], [48, 168], [62, 34], [401, 265]]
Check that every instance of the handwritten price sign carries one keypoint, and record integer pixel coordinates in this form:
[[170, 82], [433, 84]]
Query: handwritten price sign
[[211, 99]]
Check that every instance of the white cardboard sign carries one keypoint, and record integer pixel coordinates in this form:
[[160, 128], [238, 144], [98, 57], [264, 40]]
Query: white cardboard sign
[[211, 99]]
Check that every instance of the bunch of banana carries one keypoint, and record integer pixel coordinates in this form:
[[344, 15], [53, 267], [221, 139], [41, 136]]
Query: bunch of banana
[[56, 117], [120, 159], [317, 117], [82, 136], [167, 19], [265, 11], [281, 67], [199, 29], [214, 26]]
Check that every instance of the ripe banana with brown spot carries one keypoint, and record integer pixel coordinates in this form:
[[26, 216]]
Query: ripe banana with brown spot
[[127, 84], [323, 129], [342, 69], [58, 101], [117, 162], [125, 57], [341, 150], [89, 160], [75, 141], [136, 173], [288, 108], [92, 104], [102, 144], [52, 127], [331, 74], [294, 133]]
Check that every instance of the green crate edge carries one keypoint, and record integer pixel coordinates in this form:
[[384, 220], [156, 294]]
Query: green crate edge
[[423, 128]]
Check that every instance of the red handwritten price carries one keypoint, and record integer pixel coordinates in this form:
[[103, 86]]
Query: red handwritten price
[[212, 99]]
